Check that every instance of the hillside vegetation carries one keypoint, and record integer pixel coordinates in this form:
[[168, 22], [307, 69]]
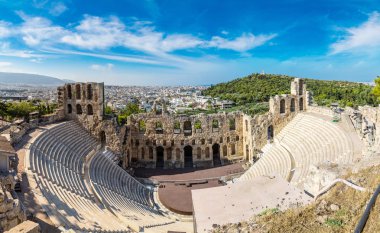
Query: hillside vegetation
[[339, 210], [257, 88]]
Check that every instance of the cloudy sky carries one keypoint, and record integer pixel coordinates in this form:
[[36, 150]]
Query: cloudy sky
[[171, 42]]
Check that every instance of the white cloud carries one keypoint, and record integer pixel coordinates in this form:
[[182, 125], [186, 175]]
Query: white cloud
[[106, 67], [96, 33], [35, 30], [245, 42], [365, 37], [4, 29], [104, 33], [57, 8], [5, 64], [6, 50]]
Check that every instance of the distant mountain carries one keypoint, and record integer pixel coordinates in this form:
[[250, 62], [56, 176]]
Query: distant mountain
[[30, 79]]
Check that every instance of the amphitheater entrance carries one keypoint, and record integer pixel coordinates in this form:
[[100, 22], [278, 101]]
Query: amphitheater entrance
[[103, 138], [216, 154], [188, 156], [270, 134], [160, 157]]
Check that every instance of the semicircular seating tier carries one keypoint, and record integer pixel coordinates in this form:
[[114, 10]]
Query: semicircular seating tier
[[307, 140], [57, 161]]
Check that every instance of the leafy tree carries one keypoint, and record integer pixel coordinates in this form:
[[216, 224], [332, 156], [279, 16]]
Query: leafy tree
[[376, 89], [108, 110], [20, 109]]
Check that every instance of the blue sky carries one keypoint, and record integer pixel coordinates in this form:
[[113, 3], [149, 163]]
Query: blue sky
[[190, 42]]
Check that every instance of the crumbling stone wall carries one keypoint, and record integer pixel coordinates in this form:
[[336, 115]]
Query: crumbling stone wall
[[218, 134], [260, 130], [11, 213], [82, 99], [365, 120]]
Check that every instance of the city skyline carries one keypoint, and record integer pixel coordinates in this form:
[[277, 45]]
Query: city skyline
[[190, 42]]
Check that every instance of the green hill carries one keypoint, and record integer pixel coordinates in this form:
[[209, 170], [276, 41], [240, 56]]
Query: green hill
[[257, 88]]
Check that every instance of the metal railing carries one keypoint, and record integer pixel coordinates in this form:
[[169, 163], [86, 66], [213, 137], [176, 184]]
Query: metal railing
[[363, 220]]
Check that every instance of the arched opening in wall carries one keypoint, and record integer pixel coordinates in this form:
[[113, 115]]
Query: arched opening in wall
[[207, 152], [232, 124], [142, 153], [187, 128], [177, 154], [177, 127], [169, 154], [77, 91], [103, 138], [150, 152], [246, 152], [246, 125], [142, 126], [69, 94], [292, 105], [216, 154], [282, 106], [233, 149], [300, 87], [225, 150], [199, 153], [89, 110], [215, 125], [89, 91], [159, 128], [270, 133], [69, 108], [198, 126], [301, 104], [188, 156], [160, 157], [79, 109]]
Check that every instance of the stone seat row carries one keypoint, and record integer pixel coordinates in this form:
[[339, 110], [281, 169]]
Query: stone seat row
[[307, 140]]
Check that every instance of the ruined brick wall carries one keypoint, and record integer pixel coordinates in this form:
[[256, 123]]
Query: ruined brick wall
[[82, 99], [260, 129], [204, 134], [11, 213]]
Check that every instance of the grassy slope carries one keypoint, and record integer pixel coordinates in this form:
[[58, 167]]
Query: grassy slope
[[318, 217], [258, 88]]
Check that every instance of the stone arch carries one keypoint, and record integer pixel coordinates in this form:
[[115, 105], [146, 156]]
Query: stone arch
[[188, 156], [300, 87], [246, 152], [159, 157], [89, 91], [187, 128], [142, 152], [89, 110], [270, 133], [292, 105], [225, 150], [215, 125], [301, 104], [103, 138], [198, 126], [159, 128], [69, 92], [77, 91], [216, 154], [142, 126], [203, 141], [282, 106], [199, 153], [233, 149], [79, 109], [178, 154], [232, 124], [150, 152], [69, 108], [169, 153], [207, 152]]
